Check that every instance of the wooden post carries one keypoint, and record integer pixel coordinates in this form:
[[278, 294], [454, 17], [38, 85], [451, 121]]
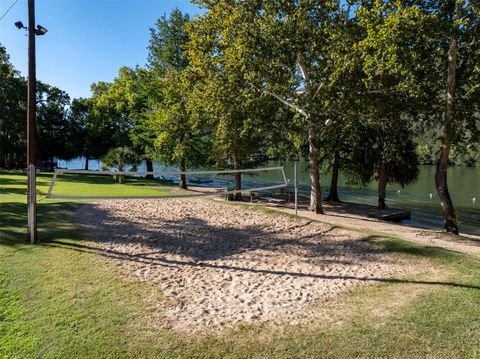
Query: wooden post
[[32, 205]]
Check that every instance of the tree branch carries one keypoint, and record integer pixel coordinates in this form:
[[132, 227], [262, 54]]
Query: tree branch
[[304, 70], [288, 103], [353, 114], [318, 89], [462, 46]]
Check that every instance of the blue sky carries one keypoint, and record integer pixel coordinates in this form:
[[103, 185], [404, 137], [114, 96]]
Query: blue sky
[[87, 40]]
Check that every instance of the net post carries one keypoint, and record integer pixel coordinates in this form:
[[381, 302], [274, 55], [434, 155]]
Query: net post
[[50, 189], [295, 180], [32, 205]]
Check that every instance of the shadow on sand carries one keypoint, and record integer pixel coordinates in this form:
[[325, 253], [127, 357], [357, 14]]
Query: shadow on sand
[[198, 244]]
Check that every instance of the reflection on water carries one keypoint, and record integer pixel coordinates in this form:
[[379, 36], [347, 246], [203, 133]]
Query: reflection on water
[[419, 197]]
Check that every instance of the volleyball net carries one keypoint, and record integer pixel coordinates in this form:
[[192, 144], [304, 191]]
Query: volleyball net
[[83, 184]]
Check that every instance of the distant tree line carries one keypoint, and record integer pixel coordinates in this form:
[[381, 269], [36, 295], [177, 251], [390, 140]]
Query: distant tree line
[[369, 87], [55, 129]]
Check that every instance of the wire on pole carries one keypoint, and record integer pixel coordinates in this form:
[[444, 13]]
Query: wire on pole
[[10, 8]]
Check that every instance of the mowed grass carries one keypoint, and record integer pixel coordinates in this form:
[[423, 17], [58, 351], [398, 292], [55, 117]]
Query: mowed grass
[[105, 185], [60, 300], [82, 185]]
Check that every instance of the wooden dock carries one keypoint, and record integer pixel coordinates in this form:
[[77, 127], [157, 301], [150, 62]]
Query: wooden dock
[[391, 215]]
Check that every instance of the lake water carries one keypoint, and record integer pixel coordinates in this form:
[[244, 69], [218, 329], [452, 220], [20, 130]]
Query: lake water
[[464, 185]]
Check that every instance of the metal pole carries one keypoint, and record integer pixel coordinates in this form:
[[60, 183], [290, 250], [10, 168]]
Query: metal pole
[[31, 124], [295, 170]]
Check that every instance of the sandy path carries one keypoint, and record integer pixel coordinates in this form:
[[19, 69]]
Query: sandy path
[[219, 264], [465, 243]]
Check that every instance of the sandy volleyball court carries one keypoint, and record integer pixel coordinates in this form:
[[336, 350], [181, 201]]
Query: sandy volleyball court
[[219, 264]]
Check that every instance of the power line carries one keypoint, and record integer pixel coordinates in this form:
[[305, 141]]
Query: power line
[[6, 12]]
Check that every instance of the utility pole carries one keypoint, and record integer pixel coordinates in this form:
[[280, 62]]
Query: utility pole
[[31, 125], [31, 120]]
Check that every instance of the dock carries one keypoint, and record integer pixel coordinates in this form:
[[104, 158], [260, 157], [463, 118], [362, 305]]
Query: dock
[[391, 215]]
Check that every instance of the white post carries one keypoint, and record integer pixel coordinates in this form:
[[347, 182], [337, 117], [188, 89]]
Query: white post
[[295, 180], [32, 205]]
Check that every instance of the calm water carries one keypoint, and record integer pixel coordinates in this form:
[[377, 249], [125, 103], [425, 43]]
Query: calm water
[[464, 185]]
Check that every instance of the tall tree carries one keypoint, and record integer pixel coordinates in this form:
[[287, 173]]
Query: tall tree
[[167, 43], [392, 55], [463, 37], [13, 94], [54, 129], [453, 76], [127, 100], [83, 138], [177, 139], [239, 113], [286, 44], [107, 125], [382, 156]]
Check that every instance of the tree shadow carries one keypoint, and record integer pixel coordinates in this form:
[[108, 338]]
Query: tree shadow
[[194, 238], [8, 181], [198, 244], [9, 190], [50, 220], [148, 259], [413, 249]]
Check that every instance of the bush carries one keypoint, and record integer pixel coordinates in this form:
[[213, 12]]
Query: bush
[[119, 158]]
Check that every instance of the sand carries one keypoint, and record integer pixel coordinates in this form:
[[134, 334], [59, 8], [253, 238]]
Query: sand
[[217, 265]]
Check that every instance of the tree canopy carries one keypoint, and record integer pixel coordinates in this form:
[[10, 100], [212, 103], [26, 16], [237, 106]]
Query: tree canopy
[[373, 88]]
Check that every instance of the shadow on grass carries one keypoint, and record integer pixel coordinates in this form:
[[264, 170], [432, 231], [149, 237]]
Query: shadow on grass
[[391, 245], [4, 181], [50, 217], [9, 190]]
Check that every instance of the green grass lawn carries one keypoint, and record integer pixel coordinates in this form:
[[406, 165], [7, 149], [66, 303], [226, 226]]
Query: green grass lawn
[[59, 302]]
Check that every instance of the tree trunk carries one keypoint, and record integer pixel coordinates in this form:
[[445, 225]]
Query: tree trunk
[[382, 186], [333, 192], [238, 179], [315, 190], [448, 211], [149, 164], [183, 179], [86, 162], [6, 161]]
